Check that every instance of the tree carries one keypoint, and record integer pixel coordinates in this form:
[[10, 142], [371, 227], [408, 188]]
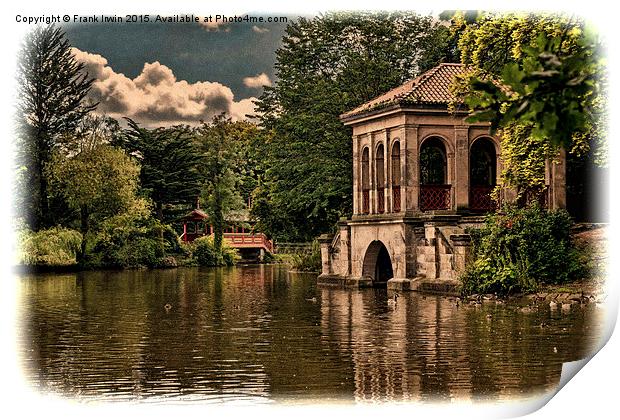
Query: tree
[[539, 80], [326, 66], [551, 90], [52, 91], [169, 164], [219, 140], [99, 181]]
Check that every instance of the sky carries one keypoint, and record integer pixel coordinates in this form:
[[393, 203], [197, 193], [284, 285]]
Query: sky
[[169, 73]]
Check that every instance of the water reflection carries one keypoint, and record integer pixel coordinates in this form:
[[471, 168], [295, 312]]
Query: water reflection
[[255, 334], [429, 348]]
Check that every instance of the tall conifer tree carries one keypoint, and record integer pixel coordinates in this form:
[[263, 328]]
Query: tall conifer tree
[[52, 90]]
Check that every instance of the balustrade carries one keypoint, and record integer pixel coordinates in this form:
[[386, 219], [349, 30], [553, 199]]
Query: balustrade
[[435, 197]]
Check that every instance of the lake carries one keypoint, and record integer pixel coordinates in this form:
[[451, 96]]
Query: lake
[[260, 334]]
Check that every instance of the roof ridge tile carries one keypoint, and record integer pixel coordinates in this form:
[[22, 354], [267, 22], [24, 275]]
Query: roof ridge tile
[[432, 86]]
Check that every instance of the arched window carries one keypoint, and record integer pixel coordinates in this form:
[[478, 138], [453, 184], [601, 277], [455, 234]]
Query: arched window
[[396, 176], [365, 181], [433, 165], [482, 175], [380, 172], [434, 189]]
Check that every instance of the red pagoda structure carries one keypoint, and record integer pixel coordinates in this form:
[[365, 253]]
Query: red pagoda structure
[[238, 234]]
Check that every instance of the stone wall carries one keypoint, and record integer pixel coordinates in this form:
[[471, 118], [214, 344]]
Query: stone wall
[[431, 249]]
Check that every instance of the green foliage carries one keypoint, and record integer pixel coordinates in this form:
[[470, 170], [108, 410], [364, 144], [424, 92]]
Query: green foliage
[[540, 80], [306, 260], [550, 90], [169, 164], [519, 249], [326, 66], [51, 247], [205, 253], [524, 158], [99, 181], [219, 143], [131, 239], [52, 88], [489, 41]]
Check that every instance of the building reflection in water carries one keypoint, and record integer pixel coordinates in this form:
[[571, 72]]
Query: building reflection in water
[[429, 349], [262, 334]]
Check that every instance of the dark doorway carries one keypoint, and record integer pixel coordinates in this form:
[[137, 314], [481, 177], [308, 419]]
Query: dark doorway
[[378, 264], [482, 175], [383, 269], [587, 186], [434, 190]]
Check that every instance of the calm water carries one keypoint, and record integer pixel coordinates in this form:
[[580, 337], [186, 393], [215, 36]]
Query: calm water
[[255, 333]]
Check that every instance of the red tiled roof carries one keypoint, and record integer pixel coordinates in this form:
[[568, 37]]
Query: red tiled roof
[[196, 214], [432, 87]]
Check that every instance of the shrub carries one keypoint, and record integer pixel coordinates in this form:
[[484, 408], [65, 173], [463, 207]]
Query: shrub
[[52, 247], [519, 249], [230, 256], [204, 253], [130, 241], [308, 260]]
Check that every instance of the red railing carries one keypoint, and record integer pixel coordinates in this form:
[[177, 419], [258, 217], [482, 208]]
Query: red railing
[[248, 240], [396, 198], [480, 199], [381, 200], [365, 201], [237, 240], [435, 197]]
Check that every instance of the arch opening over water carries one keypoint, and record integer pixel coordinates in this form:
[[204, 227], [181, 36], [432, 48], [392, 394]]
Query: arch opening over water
[[378, 264]]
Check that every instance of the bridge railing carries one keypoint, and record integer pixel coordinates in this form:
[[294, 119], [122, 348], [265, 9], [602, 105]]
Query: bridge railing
[[248, 240], [292, 247]]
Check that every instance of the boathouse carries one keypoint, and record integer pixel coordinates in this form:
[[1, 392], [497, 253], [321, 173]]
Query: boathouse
[[421, 175]]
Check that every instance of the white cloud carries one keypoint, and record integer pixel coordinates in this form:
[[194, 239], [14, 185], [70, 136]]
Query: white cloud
[[214, 26], [259, 30], [257, 81], [155, 97]]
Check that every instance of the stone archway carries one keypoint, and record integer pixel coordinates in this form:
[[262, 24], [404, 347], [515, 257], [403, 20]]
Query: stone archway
[[377, 264]]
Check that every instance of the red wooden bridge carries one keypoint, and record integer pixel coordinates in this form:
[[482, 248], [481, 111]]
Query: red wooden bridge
[[195, 226], [249, 240], [237, 240]]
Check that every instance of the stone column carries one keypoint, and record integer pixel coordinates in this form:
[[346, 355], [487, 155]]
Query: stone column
[[557, 195], [460, 183], [388, 172], [461, 243], [410, 186], [373, 185], [345, 248], [356, 175], [411, 258], [325, 241], [386, 176], [399, 133]]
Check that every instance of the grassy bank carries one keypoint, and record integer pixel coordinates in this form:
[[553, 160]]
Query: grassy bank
[[58, 249]]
